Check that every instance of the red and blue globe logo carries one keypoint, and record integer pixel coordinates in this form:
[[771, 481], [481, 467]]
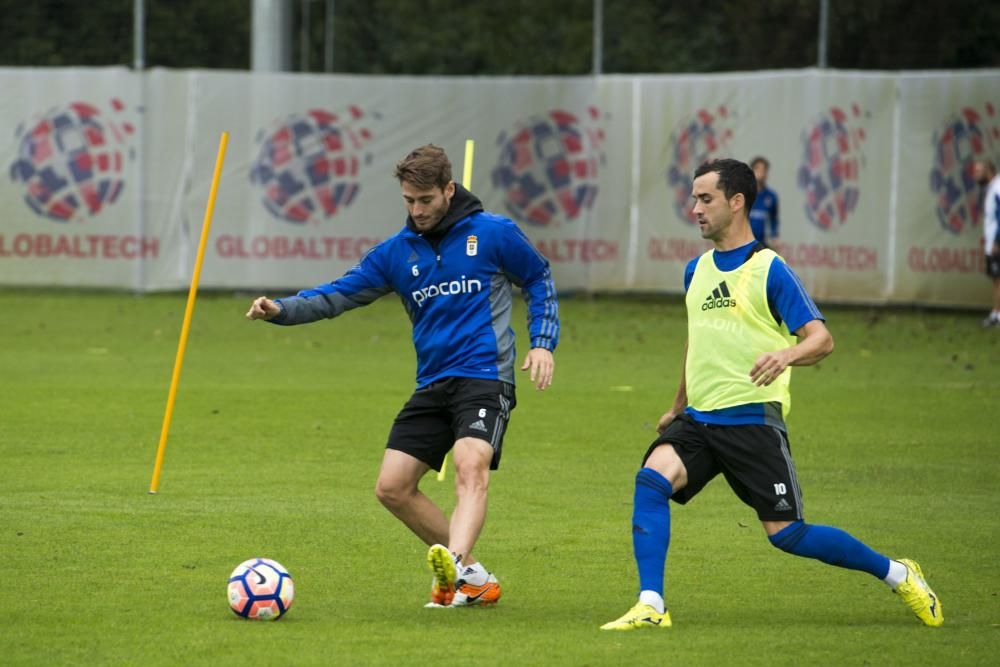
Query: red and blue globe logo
[[548, 166], [703, 137], [308, 166], [968, 135], [831, 166], [71, 160]]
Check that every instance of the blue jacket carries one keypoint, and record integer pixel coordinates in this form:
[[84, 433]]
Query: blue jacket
[[455, 283], [764, 215]]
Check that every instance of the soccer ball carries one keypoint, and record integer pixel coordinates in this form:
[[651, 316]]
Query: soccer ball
[[260, 589]]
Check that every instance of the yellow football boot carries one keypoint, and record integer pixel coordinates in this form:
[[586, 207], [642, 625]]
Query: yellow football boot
[[640, 616], [442, 564], [918, 596]]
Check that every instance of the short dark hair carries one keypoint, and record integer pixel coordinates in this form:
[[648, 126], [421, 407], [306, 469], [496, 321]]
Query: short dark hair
[[734, 177], [425, 167], [760, 159]]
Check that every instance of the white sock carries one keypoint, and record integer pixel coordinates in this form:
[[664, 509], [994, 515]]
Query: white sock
[[653, 599], [897, 574], [995, 315], [474, 574]]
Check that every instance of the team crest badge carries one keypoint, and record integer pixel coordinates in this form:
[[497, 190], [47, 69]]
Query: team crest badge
[[471, 246]]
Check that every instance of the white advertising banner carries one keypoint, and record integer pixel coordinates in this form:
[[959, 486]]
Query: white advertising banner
[[165, 177], [828, 138], [946, 122], [308, 184], [68, 142], [108, 173]]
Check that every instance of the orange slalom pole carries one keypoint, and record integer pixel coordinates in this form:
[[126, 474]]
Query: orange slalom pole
[[188, 311], [470, 147]]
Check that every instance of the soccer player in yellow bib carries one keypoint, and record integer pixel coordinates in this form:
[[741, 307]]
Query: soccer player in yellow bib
[[743, 304]]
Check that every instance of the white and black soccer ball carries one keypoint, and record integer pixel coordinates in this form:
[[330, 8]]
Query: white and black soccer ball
[[260, 589]]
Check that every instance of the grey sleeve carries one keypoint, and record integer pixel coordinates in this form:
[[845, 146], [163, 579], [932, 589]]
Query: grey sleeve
[[364, 283], [302, 308]]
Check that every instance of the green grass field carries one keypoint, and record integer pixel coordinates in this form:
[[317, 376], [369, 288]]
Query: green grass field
[[276, 441]]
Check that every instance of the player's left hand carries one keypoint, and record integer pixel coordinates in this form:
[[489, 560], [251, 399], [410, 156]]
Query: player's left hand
[[541, 364], [768, 367]]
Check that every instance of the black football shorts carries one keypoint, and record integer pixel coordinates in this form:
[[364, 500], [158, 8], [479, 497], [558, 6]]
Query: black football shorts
[[754, 459], [449, 409]]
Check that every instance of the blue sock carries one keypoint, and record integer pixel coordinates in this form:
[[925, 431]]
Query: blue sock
[[832, 546], [651, 527]]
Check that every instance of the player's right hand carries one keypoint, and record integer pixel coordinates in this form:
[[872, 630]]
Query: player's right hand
[[665, 420], [263, 309]]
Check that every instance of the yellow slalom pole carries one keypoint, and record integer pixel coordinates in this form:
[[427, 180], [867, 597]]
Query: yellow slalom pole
[[470, 148], [188, 311]]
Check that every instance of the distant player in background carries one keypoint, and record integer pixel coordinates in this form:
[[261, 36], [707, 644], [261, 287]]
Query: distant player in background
[[728, 414], [764, 214], [453, 265], [985, 174]]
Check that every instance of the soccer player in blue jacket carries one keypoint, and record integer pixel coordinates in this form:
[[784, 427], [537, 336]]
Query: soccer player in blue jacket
[[764, 213], [749, 321], [453, 266]]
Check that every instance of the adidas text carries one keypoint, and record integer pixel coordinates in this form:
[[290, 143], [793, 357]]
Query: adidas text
[[719, 303]]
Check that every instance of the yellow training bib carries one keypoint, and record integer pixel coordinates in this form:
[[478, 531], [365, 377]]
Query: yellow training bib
[[729, 326]]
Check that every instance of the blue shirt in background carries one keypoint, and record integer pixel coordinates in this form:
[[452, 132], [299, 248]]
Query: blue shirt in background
[[764, 215]]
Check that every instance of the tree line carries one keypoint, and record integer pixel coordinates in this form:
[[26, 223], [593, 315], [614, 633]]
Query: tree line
[[515, 37]]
